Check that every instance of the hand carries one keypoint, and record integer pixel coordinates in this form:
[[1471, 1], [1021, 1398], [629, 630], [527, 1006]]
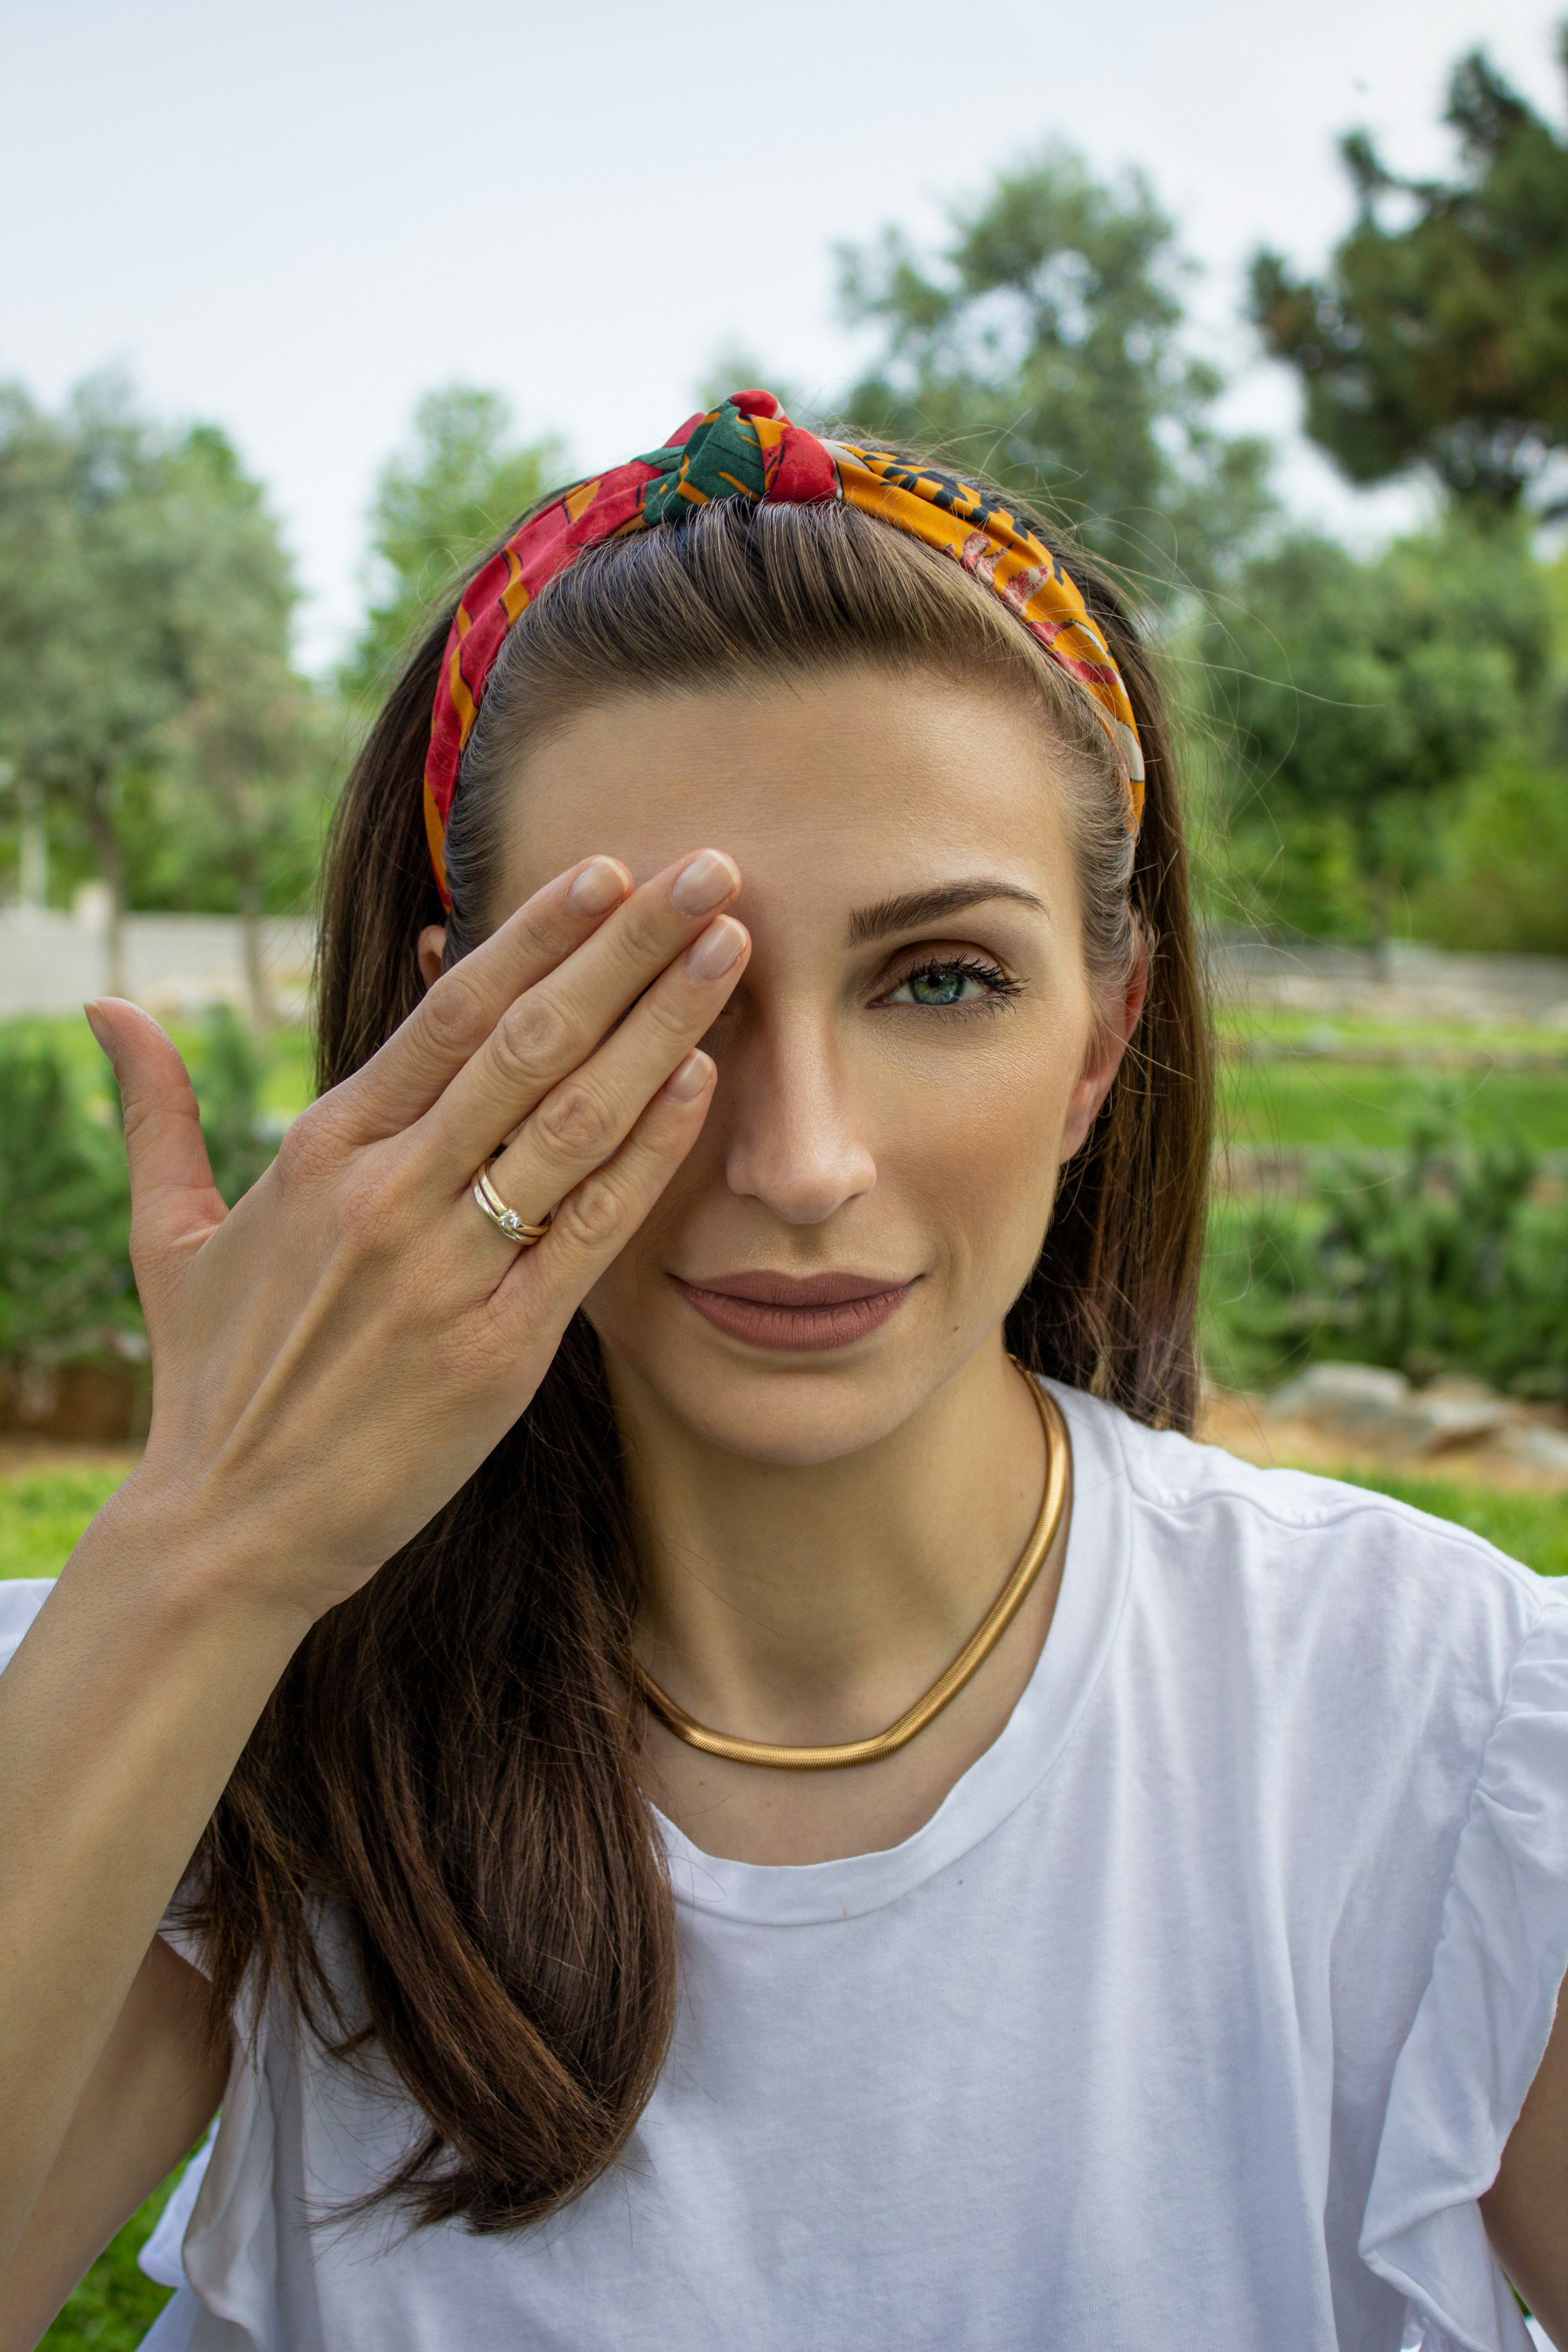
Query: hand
[[332, 1358]]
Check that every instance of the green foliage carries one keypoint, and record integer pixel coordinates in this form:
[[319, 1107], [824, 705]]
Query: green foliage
[[1502, 880], [228, 1074], [90, 669], [1359, 695], [65, 1216], [437, 508], [146, 689], [1442, 342], [239, 794], [66, 1288], [1449, 1261], [1315, 1102], [43, 1514], [1044, 345]]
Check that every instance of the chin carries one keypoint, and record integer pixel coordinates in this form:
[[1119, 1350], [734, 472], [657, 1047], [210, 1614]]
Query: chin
[[793, 1409]]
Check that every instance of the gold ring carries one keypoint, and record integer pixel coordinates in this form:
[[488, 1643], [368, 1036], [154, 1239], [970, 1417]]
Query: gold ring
[[506, 1221]]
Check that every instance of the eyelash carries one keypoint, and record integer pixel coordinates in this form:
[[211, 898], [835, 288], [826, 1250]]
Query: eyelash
[[999, 985]]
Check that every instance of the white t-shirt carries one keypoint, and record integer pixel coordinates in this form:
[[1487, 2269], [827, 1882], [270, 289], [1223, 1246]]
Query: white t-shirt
[[1193, 2020]]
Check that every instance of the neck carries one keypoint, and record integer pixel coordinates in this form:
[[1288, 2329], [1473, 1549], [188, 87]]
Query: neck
[[810, 1603]]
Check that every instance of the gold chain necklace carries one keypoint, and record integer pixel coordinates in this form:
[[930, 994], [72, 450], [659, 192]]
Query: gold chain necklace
[[969, 1661]]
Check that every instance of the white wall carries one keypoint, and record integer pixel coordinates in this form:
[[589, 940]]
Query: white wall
[[174, 964]]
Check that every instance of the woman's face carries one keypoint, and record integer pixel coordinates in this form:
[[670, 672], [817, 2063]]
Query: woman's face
[[910, 1057]]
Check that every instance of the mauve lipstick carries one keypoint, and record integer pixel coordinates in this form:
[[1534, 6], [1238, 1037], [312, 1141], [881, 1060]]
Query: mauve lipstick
[[796, 1312]]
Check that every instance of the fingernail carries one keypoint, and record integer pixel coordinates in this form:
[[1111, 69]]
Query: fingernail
[[599, 887], [709, 877], [686, 1083], [714, 950], [100, 1029]]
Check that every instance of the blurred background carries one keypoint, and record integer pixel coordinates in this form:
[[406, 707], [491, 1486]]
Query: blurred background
[[299, 306]]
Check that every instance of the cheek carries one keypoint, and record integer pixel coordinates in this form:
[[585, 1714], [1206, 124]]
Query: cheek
[[979, 1153]]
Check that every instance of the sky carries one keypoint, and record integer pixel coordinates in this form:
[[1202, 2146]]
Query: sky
[[294, 219]]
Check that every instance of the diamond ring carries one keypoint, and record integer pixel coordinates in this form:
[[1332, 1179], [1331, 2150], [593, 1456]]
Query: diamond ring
[[506, 1221]]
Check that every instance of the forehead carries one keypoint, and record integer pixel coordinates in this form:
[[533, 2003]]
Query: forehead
[[842, 781]]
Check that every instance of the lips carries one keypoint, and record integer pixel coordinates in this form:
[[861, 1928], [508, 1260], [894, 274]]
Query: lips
[[796, 1312]]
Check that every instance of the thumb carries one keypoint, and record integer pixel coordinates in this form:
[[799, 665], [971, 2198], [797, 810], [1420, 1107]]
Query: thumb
[[175, 1204]]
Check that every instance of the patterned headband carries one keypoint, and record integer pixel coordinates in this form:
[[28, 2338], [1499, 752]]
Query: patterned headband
[[747, 448]]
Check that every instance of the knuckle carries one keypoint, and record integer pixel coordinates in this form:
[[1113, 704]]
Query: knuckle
[[303, 1148], [669, 1016], [531, 1037], [454, 1017], [592, 1214], [372, 1211], [576, 1122], [644, 938]]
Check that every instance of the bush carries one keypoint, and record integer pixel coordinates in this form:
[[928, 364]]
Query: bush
[[65, 1289], [1503, 884], [65, 1216], [1454, 1259], [227, 1072]]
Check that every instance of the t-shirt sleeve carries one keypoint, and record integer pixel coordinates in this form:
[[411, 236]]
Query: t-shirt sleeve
[[21, 1598], [1484, 2020]]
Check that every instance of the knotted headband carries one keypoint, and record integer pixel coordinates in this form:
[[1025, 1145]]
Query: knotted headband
[[747, 448]]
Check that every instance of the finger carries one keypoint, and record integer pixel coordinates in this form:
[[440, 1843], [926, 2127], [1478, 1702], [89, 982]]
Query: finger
[[174, 1200], [555, 1025], [399, 1084], [587, 1117], [598, 1217]]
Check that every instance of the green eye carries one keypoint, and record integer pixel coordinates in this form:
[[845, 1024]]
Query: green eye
[[944, 984]]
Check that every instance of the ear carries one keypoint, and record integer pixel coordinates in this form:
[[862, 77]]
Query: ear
[[1111, 1038], [432, 948]]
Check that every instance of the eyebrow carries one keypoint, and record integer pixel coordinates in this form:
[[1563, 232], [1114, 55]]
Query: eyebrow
[[916, 909]]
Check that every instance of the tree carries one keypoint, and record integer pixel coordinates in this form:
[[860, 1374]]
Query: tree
[[242, 789], [147, 691], [437, 507], [89, 666], [1044, 345], [1359, 694], [1440, 342]]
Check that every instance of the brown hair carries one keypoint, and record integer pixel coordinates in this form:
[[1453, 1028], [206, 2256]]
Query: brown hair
[[450, 1759]]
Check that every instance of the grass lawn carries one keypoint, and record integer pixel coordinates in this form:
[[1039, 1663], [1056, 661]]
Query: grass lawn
[[1290, 1104], [42, 1512]]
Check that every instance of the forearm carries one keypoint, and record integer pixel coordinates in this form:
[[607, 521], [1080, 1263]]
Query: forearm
[[120, 1718], [1526, 2208], [152, 2094]]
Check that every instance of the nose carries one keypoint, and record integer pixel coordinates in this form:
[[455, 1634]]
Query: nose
[[796, 1143]]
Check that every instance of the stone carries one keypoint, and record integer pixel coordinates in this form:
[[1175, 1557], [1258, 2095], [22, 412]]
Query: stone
[[1537, 1447], [1448, 1414], [1350, 1400]]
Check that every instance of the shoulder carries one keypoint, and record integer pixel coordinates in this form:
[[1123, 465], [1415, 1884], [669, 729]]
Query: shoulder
[[1301, 1572]]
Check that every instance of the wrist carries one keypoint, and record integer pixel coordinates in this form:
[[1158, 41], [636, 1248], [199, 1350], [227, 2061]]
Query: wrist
[[184, 1560]]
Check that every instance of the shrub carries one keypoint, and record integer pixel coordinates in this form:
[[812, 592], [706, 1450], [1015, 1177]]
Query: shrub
[[227, 1072], [1454, 1258], [65, 1216], [1503, 883], [65, 1289]]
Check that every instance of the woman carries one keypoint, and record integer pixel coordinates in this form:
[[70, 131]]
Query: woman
[[725, 1808]]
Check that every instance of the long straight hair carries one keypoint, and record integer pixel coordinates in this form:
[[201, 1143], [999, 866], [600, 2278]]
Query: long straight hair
[[449, 1763]]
